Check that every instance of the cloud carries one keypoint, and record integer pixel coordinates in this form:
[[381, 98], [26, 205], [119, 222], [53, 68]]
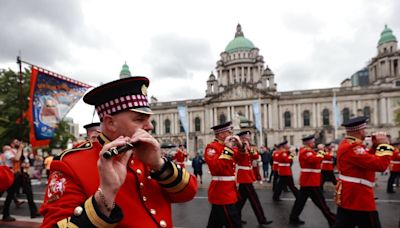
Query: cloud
[[175, 56], [43, 30]]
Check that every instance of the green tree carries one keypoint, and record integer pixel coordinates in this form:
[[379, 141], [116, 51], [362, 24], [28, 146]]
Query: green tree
[[62, 136], [397, 117], [10, 107]]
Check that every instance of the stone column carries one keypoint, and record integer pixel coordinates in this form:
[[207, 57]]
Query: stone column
[[159, 123], [246, 111], [314, 122], [190, 121], [251, 118], [295, 119], [276, 119], [389, 111], [265, 115], [374, 113], [270, 116], [215, 117], [248, 72], [228, 111], [233, 112], [382, 105]]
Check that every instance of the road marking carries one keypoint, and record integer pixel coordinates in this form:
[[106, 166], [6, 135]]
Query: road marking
[[330, 200]]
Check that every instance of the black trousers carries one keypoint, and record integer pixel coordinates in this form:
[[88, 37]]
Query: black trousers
[[275, 178], [391, 179], [224, 216], [316, 196], [20, 180], [362, 219], [283, 182], [327, 176], [247, 191]]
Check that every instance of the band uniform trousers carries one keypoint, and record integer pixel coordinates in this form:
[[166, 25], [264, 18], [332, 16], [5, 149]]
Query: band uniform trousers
[[224, 216], [247, 191], [391, 180], [316, 196], [275, 178], [327, 175], [282, 183], [361, 219]]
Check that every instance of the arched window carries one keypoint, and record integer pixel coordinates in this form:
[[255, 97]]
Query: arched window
[[306, 118], [345, 114], [222, 118], [197, 124], [154, 123], [367, 113], [325, 117], [181, 129], [167, 125], [287, 119]]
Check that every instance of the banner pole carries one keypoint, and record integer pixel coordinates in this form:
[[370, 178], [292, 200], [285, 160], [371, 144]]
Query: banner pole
[[21, 116]]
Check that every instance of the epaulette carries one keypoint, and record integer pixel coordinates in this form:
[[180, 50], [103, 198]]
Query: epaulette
[[82, 146], [352, 139]]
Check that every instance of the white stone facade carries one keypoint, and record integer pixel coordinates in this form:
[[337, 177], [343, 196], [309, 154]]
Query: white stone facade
[[242, 78]]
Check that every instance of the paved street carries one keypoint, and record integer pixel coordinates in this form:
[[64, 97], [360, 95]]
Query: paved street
[[196, 212]]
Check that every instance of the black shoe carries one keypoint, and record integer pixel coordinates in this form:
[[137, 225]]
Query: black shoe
[[243, 222], [391, 191], [19, 203], [36, 215], [276, 200], [265, 223], [8, 219], [296, 222]]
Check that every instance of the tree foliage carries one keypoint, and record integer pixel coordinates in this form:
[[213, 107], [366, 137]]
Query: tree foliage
[[11, 107], [62, 136]]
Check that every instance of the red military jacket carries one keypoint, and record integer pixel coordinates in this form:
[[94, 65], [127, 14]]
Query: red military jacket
[[285, 161], [275, 158], [357, 167], [327, 162], [142, 201], [245, 172], [310, 167], [221, 162], [395, 162], [179, 158], [6, 178]]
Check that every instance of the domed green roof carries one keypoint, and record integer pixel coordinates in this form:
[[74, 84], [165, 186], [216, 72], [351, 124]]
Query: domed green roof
[[125, 71], [387, 36], [239, 43]]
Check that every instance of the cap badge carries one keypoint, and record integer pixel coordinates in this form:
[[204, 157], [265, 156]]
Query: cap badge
[[144, 90]]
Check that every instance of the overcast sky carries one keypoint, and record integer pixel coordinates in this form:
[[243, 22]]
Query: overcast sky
[[177, 43]]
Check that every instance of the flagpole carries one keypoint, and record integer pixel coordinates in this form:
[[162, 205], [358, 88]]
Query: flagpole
[[21, 116], [261, 128], [334, 108]]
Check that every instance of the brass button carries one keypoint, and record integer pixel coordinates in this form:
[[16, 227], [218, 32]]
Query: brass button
[[141, 185], [132, 162], [149, 177], [144, 198], [138, 171], [163, 223], [78, 211], [152, 211]]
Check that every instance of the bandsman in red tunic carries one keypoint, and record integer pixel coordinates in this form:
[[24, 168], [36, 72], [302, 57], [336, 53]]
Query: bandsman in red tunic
[[327, 166], [220, 156], [285, 161], [394, 168], [92, 131], [245, 178], [180, 156], [310, 182], [357, 167], [97, 184]]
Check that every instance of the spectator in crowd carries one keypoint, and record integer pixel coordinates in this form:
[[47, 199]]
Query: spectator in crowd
[[197, 164], [13, 159], [38, 167], [265, 159]]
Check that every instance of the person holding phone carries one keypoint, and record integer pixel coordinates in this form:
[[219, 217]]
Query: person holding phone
[[131, 189]]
